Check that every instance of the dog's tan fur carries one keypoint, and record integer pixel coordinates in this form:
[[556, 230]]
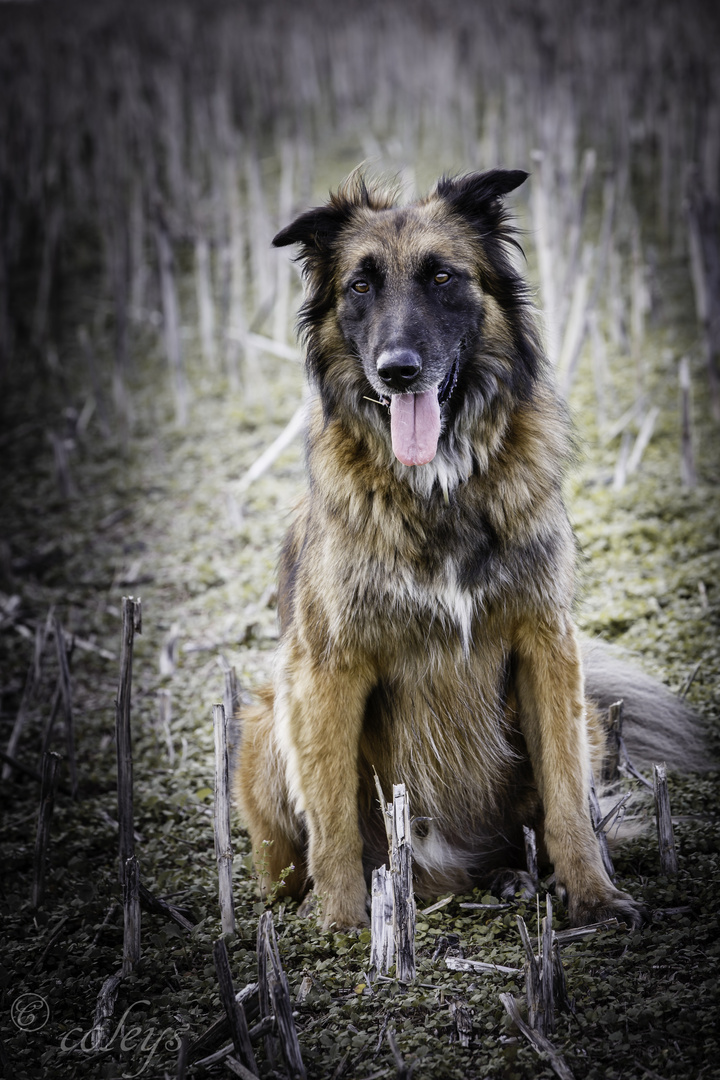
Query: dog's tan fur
[[403, 649]]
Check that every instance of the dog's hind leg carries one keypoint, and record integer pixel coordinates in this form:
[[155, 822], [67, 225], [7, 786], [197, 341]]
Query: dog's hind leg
[[260, 792], [550, 697]]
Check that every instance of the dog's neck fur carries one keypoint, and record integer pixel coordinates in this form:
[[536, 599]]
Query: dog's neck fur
[[470, 447], [469, 472]]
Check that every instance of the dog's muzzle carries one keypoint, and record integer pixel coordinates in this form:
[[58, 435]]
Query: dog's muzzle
[[398, 368]]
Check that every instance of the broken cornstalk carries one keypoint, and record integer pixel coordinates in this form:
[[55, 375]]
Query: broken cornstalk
[[47, 802], [597, 822], [537, 1040], [223, 841], [544, 983], [666, 838], [131, 913], [131, 624], [274, 997], [393, 901], [382, 937], [233, 1009], [66, 696], [612, 742], [403, 896]]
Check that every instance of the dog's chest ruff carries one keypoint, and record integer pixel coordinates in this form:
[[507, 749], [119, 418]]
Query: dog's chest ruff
[[405, 602], [441, 599]]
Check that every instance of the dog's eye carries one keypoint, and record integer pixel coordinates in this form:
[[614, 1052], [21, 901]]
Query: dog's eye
[[360, 286], [442, 277]]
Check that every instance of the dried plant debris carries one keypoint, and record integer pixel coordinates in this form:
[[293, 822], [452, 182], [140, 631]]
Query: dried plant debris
[[148, 365]]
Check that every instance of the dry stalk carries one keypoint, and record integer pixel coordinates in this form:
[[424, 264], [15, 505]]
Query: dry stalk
[[666, 838], [47, 802], [131, 624], [223, 841], [233, 1009]]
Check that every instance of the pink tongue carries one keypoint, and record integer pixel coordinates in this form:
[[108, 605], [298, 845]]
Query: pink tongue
[[415, 426]]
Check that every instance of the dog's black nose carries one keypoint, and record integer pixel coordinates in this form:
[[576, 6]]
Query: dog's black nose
[[398, 367]]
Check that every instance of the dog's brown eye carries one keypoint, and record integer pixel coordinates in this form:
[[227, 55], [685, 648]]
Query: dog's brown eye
[[442, 277], [360, 286]]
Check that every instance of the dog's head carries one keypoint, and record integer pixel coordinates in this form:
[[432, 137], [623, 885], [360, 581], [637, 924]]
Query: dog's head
[[416, 307]]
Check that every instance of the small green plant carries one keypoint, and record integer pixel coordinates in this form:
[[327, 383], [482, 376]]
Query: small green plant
[[258, 869]]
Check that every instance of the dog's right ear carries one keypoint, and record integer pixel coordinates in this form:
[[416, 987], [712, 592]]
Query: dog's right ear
[[315, 229]]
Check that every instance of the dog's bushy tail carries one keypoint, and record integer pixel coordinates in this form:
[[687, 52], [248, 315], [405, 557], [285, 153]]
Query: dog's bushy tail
[[657, 725]]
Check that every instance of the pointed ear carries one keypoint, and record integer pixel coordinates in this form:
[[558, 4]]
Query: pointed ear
[[474, 193], [315, 229]]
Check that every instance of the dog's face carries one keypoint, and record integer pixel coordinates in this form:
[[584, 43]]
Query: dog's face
[[408, 302], [404, 302]]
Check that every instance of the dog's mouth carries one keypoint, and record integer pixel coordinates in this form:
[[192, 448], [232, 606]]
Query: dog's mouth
[[449, 383], [415, 420]]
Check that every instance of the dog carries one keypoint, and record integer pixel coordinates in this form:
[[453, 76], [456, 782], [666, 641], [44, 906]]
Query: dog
[[426, 587]]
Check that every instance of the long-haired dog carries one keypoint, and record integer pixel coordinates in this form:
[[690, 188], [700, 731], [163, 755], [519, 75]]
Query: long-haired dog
[[426, 586]]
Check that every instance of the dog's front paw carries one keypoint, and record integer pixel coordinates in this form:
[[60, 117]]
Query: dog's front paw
[[344, 907], [341, 916], [616, 905], [313, 907]]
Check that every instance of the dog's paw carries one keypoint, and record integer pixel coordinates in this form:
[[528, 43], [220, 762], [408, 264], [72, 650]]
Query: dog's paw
[[617, 905], [344, 919], [313, 907], [343, 909], [507, 883]]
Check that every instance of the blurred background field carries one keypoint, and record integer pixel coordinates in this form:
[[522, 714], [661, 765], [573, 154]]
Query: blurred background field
[[148, 154]]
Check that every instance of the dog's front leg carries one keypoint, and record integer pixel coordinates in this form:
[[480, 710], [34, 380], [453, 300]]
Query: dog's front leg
[[552, 717], [324, 706]]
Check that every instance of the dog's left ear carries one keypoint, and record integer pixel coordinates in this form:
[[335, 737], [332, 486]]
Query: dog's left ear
[[476, 193]]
